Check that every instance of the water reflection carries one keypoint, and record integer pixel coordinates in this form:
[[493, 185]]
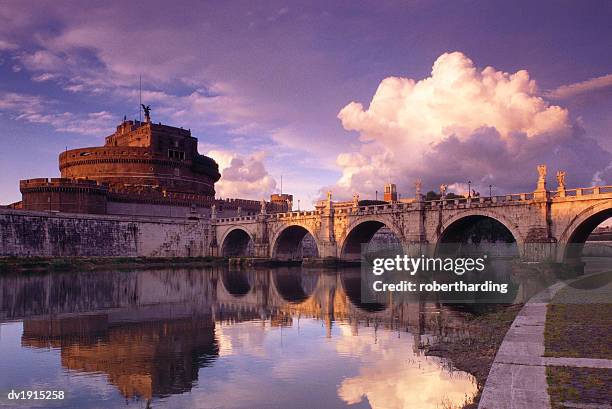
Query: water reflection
[[283, 337]]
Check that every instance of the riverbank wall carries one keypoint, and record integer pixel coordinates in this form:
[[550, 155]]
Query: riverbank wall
[[43, 234]]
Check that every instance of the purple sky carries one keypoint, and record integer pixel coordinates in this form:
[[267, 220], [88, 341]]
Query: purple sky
[[267, 88]]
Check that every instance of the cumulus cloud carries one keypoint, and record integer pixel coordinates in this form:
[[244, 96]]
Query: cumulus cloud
[[459, 124], [583, 87], [242, 176]]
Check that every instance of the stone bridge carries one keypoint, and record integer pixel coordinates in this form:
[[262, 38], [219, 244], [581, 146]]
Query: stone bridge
[[544, 224]]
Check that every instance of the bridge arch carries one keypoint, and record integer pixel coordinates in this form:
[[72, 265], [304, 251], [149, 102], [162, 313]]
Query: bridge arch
[[580, 227], [286, 243], [237, 241], [361, 231], [293, 287], [350, 286], [237, 283], [453, 229]]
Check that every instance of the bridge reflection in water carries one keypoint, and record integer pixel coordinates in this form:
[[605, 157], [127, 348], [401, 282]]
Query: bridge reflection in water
[[216, 338]]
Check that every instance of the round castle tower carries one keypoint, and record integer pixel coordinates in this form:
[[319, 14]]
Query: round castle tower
[[143, 157]]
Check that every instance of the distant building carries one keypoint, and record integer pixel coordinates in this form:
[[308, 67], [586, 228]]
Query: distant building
[[143, 169], [390, 193], [282, 199]]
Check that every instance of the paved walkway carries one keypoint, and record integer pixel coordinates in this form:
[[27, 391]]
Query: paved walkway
[[517, 379]]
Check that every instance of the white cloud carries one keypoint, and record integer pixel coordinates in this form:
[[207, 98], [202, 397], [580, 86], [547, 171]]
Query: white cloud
[[242, 176], [583, 87], [201, 108], [461, 124], [35, 109], [12, 101], [45, 76], [42, 60], [7, 45]]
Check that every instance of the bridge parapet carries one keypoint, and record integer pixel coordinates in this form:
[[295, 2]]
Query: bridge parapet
[[583, 191], [270, 217], [480, 201], [289, 215], [235, 219]]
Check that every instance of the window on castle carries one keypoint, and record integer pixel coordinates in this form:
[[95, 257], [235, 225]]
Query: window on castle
[[174, 154]]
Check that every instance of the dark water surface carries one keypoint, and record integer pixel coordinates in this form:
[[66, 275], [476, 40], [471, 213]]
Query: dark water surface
[[214, 338]]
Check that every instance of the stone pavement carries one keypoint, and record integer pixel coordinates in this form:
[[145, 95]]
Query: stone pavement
[[517, 379]]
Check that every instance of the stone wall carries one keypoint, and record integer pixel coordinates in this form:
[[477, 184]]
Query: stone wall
[[29, 233], [153, 210], [63, 195]]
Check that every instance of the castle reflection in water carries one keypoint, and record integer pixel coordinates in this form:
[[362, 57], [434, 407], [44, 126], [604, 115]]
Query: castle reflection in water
[[150, 332]]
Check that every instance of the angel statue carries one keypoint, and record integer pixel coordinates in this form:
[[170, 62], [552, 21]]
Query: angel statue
[[561, 179], [542, 172], [443, 188], [147, 112], [417, 186]]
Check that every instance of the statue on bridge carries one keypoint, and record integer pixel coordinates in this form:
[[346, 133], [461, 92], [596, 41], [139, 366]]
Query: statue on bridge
[[328, 203], [355, 199], [542, 178], [417, 188], [561, 180], [443, 188]]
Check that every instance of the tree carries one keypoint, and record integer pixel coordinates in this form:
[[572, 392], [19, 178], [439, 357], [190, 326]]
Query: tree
[[431, 195]]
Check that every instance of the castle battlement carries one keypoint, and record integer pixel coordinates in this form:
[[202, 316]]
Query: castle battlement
[[60, 183]]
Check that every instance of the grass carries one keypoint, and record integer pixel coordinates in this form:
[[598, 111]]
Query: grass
[[579, 325], [583, 385], [579, 320], [579, 331]]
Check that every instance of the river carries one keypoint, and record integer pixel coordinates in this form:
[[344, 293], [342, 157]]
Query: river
[[284, 337]]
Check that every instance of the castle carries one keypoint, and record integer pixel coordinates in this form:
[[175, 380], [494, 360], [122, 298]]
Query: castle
[[143, 169]]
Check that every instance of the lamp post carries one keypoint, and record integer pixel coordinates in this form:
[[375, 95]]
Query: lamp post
[[490, 190], [298, 205], [377, 195], [469, 189]]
